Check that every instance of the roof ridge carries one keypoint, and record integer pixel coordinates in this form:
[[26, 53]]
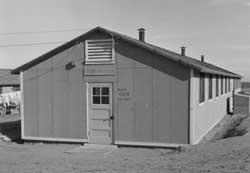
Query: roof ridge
[[185, 60]]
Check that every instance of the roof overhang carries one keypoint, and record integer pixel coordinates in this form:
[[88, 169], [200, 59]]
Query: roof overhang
[[184, 60]]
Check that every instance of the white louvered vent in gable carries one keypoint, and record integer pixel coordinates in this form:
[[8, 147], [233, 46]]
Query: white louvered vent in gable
[[101, 50]]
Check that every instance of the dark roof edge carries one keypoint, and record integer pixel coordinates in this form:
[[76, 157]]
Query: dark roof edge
[[51, 53], [152, 48]]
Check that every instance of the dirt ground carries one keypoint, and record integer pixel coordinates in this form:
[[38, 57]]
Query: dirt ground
[[226, 155], [229, 155]]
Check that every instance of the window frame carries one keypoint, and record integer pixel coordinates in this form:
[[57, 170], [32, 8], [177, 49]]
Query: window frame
[[210, 87], [226, 85], [202, 88], [221, 85], [100, 95], [217, 93]]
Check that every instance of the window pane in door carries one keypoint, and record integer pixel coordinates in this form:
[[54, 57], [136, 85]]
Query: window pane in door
[[105, 91], [96, 100], [105, 99], [96, 91]]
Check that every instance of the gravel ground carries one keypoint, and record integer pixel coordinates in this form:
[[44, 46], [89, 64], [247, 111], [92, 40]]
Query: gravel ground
[[226, 155]]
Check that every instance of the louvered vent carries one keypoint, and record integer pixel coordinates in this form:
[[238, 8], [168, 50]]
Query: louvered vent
[[99, 50]]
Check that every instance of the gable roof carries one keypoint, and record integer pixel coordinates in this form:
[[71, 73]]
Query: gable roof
[[8, 79], [187, 61]]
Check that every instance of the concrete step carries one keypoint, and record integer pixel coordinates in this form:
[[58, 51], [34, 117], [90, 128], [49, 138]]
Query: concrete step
[[99, 146]]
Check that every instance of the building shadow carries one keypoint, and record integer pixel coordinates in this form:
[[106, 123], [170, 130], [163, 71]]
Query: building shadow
[[12, 130]]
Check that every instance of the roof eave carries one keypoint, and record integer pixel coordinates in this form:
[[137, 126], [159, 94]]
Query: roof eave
[[128, 39], [219, 73], [52, 52]]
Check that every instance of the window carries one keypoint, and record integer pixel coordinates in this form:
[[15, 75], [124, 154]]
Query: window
[[225, 84], [202, 87], [234, 84], [99, 50], [229, 84], [210, 87], [100, 95], [221, 85], [217, 86]]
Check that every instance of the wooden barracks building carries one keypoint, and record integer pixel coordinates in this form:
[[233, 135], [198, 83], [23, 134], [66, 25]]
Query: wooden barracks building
[[108, 88]]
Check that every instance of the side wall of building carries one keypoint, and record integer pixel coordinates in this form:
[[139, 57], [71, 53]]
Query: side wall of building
[[205, 115]]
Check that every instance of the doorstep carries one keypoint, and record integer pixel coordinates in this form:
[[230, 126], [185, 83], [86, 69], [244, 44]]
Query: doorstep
[[99, 146]]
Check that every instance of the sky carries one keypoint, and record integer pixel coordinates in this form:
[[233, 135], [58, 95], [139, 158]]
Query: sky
[[218, 29]]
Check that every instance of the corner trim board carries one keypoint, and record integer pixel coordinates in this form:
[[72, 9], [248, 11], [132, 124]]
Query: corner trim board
[[22, 104], [152, 144], [87, 109], [191, 107]]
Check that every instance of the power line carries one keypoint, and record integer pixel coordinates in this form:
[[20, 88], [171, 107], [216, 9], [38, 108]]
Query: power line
[[31, 44], [41, 32]]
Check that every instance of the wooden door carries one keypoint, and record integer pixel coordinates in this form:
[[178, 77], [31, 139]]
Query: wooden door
[[100, 113]]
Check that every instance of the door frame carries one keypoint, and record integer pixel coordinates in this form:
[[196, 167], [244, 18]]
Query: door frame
[[88, 85]]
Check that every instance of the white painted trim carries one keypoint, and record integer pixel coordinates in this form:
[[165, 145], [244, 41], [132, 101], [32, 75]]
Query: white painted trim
[[22, 104], [99, 62], [87, 60], [152, 144], [210, 100], [191, 102], [198, 140], [202, 103], [87, 104], [95, 40], [89, 84], [54, 139]]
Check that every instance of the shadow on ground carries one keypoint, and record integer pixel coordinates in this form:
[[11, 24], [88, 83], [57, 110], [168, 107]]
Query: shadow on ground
[[12, 130]]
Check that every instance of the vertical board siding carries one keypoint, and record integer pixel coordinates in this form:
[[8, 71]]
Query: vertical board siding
[[125, 117], [151, 96], [77, 121], [180, 123], [61, 95], [157, 110], [162, 108], [30, 99], [143, 104], [73, 123], [44, 113], [53, 97]]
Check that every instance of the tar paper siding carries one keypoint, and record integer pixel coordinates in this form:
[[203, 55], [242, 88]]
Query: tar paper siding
[[53, 98], [204, 116], [152, 97]]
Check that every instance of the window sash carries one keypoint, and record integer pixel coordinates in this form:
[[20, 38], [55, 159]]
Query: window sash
[[202, 87], [221, 86], [217, 86], [225, 85], [100, 95], [210, 86]]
